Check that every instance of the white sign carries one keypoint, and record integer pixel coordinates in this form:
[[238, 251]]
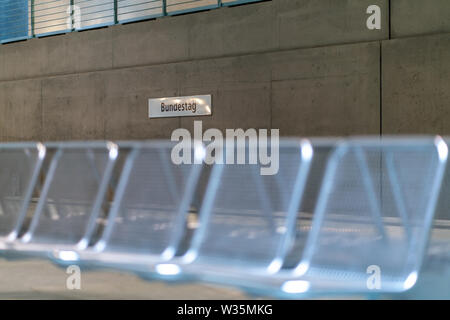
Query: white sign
[[180, 106]]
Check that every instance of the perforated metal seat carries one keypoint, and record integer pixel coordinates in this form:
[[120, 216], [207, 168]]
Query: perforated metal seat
[[373, 212], [147, 221], [247, 220], [336, 216], [20, 165], [372, 218], [71, 197]]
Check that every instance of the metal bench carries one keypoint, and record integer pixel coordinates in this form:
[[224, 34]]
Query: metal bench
[[372, 218], [147, 221], [20, 163], [71, 200]]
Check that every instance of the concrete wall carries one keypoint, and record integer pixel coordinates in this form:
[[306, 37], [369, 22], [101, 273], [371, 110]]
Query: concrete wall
[[416, 85], [227, 31], [419, 17], [307, 67]]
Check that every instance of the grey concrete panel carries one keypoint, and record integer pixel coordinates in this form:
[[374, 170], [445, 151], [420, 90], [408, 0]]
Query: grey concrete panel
[[310, 23], [322, 91], [76, 52], [23, 59], [240, 89], [126, 103], [89, 50], [332, 61], [239, 86], [418, 17], [253, 28], [151, 42], [20, 110], [73, 107], [234, 30], [234, 106], [62, 54], [245, 69], [416, 78], [327, 91]]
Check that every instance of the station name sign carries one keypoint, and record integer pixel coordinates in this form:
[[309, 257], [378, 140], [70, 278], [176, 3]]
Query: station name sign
[[190, 106]]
